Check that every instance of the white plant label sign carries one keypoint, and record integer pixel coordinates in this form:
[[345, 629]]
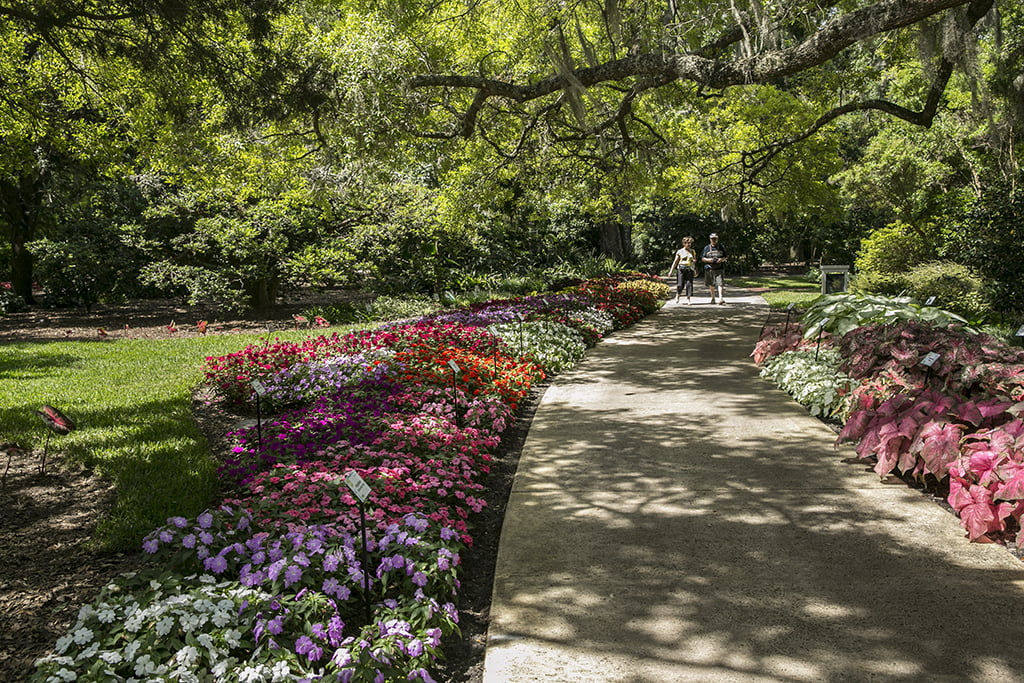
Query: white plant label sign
[[357, 485]]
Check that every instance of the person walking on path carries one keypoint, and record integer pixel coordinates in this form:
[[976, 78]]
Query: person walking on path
[[714, 257], [684, 265]]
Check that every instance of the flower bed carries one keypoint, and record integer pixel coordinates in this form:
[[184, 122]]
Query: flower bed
[[276, 583], [952, 422]]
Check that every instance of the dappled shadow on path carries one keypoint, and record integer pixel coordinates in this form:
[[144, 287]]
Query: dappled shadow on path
[[677, 518]]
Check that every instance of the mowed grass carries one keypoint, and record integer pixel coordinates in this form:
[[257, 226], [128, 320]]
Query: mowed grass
[[131, 402], [782, 290]]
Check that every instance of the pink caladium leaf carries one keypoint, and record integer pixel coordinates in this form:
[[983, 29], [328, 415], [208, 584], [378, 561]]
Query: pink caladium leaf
[[984, 466], [938, 445], [1012, 488], [867, 446], [890, 449], [977, 513], [855, 426], [993, 441], [968, 413], [993, 406]]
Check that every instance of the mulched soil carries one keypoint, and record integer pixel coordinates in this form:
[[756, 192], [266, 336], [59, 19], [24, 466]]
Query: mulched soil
[[49, 566]]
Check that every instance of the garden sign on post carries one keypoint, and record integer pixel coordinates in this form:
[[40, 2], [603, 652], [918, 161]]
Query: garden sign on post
[[259, 389], [928, 361], [455, 391], [361, 490]]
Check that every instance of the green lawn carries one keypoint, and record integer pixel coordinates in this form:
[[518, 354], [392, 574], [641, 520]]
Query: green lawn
[[131, 401], [782, 290]]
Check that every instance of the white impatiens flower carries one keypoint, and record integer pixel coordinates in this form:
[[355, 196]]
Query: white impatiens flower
[[183, 675], [89, 653], [221, 618], [252, 674], [131, 649], [187, 656], [134, 623], [145, 666], [63, 643], [281, 672], [164, 626], [82, 636], [203, 605], [67, 675], [106, 615], [233, 638], [111, 657], [191, 622]]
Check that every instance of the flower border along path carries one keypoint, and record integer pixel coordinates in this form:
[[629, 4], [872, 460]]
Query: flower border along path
[[274, 583], [922, 396]]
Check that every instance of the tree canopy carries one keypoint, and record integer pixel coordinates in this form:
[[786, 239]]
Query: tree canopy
[[261, 144]]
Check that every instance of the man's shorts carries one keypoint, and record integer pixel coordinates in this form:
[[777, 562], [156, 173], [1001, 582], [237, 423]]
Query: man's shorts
[[714, 278]]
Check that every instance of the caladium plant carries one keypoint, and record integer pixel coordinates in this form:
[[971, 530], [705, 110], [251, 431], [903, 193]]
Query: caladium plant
[[969, 364], [919, 433], [986, 486], [776, 339], [958, 419]]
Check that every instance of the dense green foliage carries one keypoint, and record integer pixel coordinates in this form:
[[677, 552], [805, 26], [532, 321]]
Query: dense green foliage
[[227, 152]]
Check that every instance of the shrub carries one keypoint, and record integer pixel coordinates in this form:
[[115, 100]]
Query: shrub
[[885, 284], [85, 268], [400, 307], [988, 240], [896, 248], [9, 301], [953, 285]]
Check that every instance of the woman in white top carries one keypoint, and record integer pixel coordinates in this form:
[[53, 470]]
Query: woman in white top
[[684, 266]]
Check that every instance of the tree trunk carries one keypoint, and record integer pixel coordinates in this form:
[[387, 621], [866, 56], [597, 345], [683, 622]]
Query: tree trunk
[[16, 212], [263, 292], [617, 235]]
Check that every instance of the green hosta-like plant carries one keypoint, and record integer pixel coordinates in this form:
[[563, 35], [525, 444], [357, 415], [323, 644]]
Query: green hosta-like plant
[[813, 379], [553, 346], [839, 314]]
